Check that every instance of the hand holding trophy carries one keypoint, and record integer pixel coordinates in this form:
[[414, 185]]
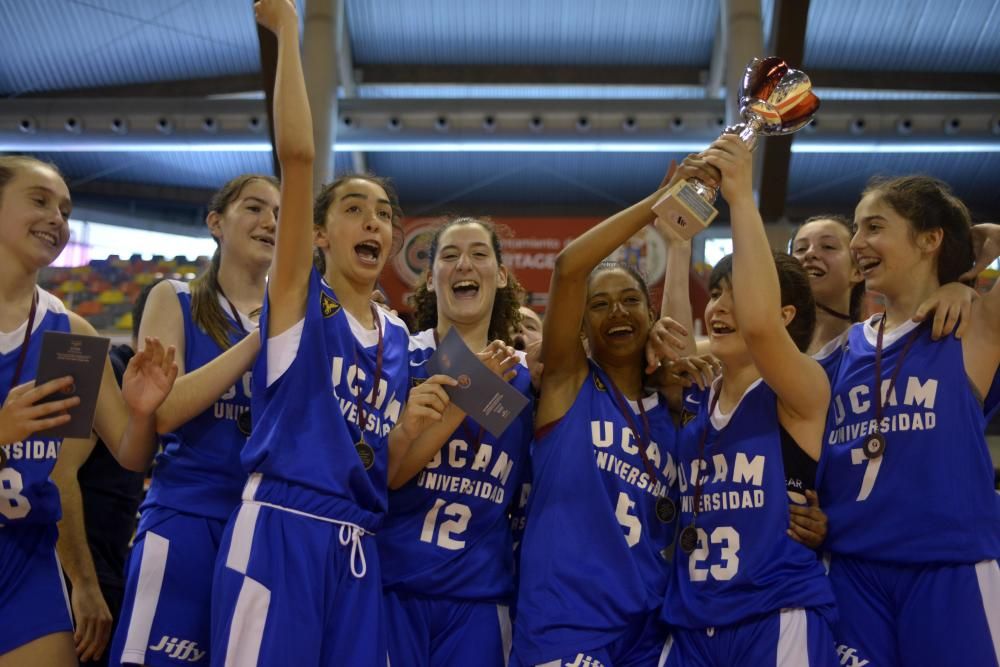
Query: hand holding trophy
[[774, 100]]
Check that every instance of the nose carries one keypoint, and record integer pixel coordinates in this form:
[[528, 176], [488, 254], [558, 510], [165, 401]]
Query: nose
[[810, 251], [857, 241], [618, 306], [464, 262]]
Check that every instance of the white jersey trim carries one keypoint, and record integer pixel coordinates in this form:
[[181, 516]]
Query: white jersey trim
[[988, 575], [871, 331], [832, 346], [47, 302], [719, 418], [246, 631], [281, 351]]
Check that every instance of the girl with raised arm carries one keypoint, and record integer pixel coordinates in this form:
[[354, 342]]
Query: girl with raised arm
[[746, 592], [297, 580]]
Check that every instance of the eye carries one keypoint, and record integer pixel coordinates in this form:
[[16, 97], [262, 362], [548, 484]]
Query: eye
[[632, 300], [385, 215], [481, 255], [595, 305], [39, 200], [449, 256], [799, 250], [829, 247], [715, 293], [254, 208], [353, 208]]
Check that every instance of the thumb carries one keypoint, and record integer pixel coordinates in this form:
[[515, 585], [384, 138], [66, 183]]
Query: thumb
[[812, 498]]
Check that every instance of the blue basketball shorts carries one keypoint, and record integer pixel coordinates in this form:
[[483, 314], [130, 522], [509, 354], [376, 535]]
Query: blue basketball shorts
[[425, 632], [33, 600], [638, 646], [166, 613], [899, 614], [296, 589]]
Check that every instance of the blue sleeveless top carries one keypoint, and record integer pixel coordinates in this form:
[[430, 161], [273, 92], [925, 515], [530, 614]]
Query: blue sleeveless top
[[930, 497], [447, 533], [27, 495]]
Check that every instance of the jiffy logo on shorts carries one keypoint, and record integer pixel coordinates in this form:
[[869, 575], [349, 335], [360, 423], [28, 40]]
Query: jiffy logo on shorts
[[850, 657], [179, 649], [582, 660]]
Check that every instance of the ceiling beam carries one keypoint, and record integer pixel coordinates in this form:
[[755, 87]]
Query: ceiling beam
[[788, 35], [219, 85]]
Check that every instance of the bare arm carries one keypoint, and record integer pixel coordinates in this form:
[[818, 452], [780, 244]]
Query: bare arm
[[799, 381], [562, 351], [293, 137], [90, 610], [981, 343], [423, 424]]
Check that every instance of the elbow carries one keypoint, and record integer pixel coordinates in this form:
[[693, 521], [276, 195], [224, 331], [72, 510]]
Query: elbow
[[563, 266], [297, 155]]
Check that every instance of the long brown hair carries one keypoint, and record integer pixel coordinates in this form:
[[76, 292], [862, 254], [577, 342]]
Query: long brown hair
[[506, 315], [11, 164], [206, 311]]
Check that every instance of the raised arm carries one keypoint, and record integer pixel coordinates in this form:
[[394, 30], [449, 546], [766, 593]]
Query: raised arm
[[981, 343], [293, 138], [799, 381]]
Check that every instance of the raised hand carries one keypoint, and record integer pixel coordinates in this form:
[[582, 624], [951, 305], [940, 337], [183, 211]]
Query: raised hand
[[22, 415], [426, 404], [808, 524], [986, 242], [500, 358], [692, 371], [276, 14], [665, 343], [149, 377], [734, 161]]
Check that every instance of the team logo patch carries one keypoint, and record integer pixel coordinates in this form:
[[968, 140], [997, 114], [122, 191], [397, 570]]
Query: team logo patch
[[687, 417], [328, 305], [416, 382], [599, 383], [464, 381]]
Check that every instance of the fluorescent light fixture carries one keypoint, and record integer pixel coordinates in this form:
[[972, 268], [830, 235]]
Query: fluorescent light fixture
[[37, 144]]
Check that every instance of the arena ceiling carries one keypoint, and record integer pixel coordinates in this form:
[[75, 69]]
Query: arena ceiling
[[517, 107]]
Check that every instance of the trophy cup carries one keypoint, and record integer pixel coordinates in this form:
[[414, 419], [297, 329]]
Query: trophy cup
[[774, 99]]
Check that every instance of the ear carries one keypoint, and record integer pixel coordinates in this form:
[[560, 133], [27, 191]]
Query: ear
[[430, 279], [320, 238], [652, 315], [930, 241], [502, 276], [787, 314], [214, 222], [855, 275]]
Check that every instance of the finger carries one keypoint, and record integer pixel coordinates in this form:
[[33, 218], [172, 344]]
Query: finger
[[510, 375], [672, 325], [23, 389], [424, 393], [45, 409], [37, 425], [168, 358], [652, 361], [963, 319], [812, 498], [922, 310], [806, 537], [671, 170], [431, 402], [422, 413], [440, 379], [87, 631], [954, 312], [35, 394], [155, 354], [939, 317]]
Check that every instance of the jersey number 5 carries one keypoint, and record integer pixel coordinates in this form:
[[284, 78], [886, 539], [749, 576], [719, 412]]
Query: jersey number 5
[[457, 515]]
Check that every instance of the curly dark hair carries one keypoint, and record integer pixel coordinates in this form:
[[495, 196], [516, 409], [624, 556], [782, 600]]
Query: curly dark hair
[[608, 265], [858, 290], [795, 291], [325, 197], [505, 317], [928, 203]]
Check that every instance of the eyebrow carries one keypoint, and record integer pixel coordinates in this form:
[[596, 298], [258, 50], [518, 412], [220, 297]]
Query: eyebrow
[[50, 191], [258, 199], [869, 218], [822, 237], [358, 195], [476, 244]]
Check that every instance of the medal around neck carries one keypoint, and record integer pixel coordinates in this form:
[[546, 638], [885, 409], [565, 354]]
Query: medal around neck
[[666, 510], [689, 539], [244, 422], [774, 100], [365, 453], [874, 445]]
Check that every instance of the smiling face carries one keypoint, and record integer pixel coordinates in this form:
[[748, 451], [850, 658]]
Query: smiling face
[[34, 216], [617, 318], [356, 238], [888, 252], [465, 275], [246, 227], [823, 248], [531, 327]]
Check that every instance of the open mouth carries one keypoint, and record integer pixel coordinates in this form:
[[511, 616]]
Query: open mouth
[[368, 252], [721, 329], [620, 331], [814, 271], [868, 264], [465, 289], [266, 240], [47, 237]]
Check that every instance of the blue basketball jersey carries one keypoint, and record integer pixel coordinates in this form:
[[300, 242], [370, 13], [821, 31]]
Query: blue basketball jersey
[[27, 496], [829, 355], [305, 426], [992, 400], [591, 565], [744, 564], [447, 533], [929, 498], [198, 470]]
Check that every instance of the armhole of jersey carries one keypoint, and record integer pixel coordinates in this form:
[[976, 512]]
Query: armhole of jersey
[[281, 351]]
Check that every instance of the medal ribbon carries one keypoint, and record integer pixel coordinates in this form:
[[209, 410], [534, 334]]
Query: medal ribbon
[[701, 455], [879, 400], [642, 438], [378, 373]]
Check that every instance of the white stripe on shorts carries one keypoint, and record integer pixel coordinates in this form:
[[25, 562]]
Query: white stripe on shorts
[[247, 629], [793, 639], [147, 596], [503, 616], [988, 574], [665, 653], [238, 557], [62, 580]]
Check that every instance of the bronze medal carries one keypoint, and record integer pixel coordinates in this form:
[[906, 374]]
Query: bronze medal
[[874, 445], [365, 453], [244, 422], [666, 510], [689, 539]]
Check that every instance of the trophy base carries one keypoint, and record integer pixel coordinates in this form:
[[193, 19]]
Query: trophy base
[[684, 210]]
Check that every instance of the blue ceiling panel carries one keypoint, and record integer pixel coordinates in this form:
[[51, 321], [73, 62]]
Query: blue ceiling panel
[[532, 32], [904, 35]]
